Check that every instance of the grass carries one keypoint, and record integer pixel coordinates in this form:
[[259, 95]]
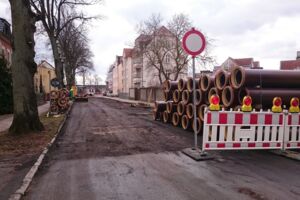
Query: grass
[[30, 143]]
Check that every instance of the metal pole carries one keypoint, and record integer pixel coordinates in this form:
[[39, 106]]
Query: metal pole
[[194, 105]]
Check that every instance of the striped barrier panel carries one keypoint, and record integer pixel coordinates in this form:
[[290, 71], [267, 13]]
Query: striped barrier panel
[[242, 130], [291, 131]]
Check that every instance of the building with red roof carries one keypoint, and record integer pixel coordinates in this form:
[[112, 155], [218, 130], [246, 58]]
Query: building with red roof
[[244, 62], [291, 64]]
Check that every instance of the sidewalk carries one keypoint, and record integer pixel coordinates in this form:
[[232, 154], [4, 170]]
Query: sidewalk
[[6, 120], [142, 103]]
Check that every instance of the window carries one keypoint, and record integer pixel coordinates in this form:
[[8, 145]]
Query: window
[[168, 58]]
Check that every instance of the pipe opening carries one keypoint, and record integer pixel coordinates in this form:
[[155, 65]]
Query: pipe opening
[[201, 111], [227, 96], [204, 83], [165, 117], [181, 84], [237, 77], [180, 108], [185, 122], [185, 96], [175, 119], [221, 79], [198, 97], [190, 110], [176, 96], [198, 124]]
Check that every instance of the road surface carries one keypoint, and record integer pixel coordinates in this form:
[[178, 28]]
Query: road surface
[[110, 150]]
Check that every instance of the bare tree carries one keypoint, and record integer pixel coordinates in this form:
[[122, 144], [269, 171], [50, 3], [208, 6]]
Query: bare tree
[[164, 51], [77, 53], [26, 116], [55, 15]]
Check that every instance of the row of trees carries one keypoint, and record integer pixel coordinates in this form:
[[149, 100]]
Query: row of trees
[[64, 24]]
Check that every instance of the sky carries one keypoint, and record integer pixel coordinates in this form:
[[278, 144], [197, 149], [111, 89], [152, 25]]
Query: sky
[[266, 30]]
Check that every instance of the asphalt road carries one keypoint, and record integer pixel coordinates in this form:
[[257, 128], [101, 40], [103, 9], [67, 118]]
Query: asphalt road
[[109, 150]]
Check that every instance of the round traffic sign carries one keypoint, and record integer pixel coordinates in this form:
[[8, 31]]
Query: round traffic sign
[[193, 42]]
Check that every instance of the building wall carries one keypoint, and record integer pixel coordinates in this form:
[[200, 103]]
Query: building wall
[[45, 72], [120, 77], [115, 80], [5, 49], [127, 64]]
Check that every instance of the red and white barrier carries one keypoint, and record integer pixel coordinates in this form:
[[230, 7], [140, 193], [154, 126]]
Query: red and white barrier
[[291, 131], [228, 130]]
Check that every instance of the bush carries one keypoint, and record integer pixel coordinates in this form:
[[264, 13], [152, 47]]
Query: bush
[[6, 95]]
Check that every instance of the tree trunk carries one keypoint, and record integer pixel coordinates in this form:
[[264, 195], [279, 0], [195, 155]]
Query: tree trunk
[[26, 117], [69, 76], [59, 71]]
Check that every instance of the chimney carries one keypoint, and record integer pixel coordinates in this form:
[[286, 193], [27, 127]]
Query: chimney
[[298, 55]]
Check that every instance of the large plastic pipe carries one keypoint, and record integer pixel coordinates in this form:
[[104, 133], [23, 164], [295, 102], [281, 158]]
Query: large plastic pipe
[[171, 107], [166, 117], [230, 97], [263, 98], [182, 84], [199, 125], [181, 108], [167, 95], [190, 110], [221, 79], [176, 119], [187, 97], [176, 96], [207, 82], [160, 106], [201, 110], [157, 115], [214, 91], [170, 85], [186, 122], [189, 84], [241, 77]]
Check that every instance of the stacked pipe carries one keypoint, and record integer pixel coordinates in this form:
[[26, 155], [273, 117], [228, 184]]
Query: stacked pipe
[[59, 101], [262, 86], [177, 107]]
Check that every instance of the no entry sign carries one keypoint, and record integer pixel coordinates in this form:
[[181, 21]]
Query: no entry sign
[[193, 42]]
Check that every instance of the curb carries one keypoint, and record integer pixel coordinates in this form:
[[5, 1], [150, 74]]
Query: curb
[[141, 103], [29, 176]]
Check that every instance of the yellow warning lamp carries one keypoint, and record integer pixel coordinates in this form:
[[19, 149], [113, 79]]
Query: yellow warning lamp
[[294, 108], [247, 101], [277, 102], [214, 103]]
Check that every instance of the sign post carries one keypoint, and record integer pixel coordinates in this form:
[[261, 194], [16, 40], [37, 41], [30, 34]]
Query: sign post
[[194, 43]]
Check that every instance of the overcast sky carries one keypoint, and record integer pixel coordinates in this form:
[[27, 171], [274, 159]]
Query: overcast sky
[[266, 30]]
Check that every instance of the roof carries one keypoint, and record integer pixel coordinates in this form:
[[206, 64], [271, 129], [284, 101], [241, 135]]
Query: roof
[[164, 31], [127, 52], [45, 64], [290, 64], [243, 61]]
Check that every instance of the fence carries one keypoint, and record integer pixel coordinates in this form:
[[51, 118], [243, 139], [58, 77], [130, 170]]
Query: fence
[[228, 130], [150, 94]]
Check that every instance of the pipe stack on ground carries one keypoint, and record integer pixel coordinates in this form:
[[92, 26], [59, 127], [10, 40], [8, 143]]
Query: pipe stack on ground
[[177, 107], [59, 101], [231, 86]]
